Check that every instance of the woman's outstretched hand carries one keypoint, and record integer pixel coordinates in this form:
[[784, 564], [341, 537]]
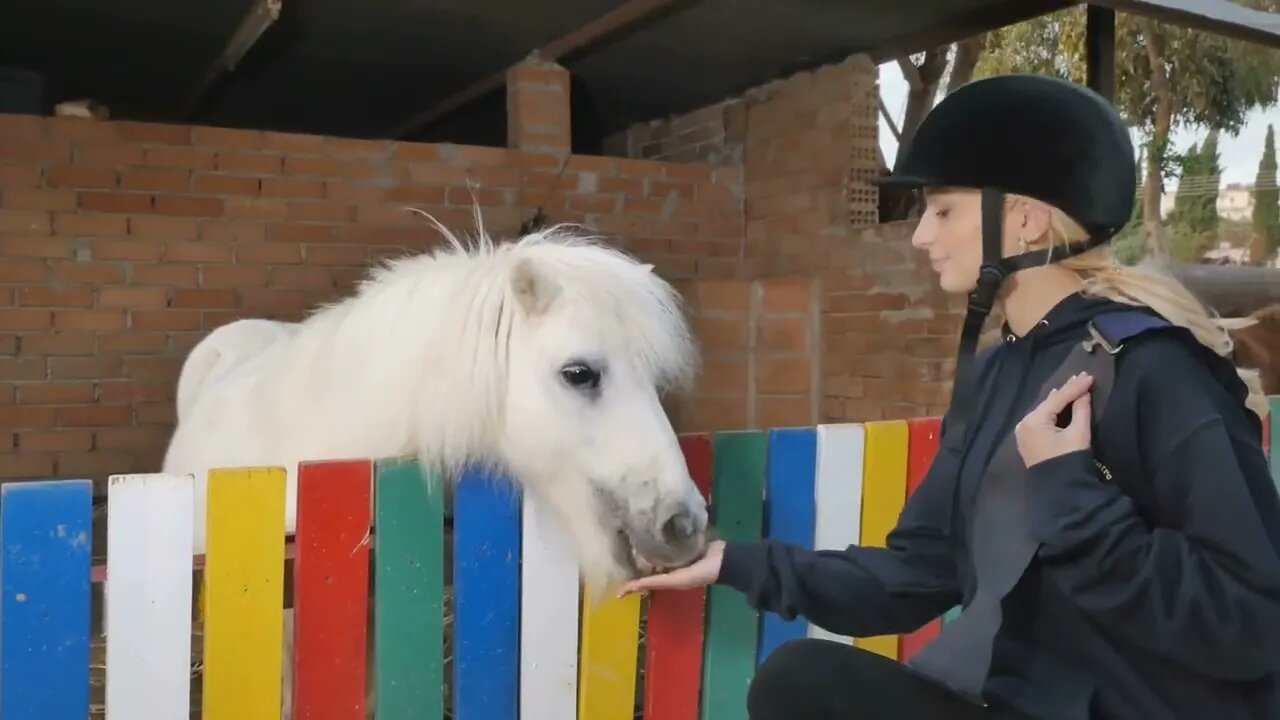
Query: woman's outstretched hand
[[1038, 435], [701, 573]]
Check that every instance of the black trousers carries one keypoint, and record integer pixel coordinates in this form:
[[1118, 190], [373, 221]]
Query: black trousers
[[822, 680]]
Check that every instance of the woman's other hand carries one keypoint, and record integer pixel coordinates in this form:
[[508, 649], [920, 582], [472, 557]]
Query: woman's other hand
[[1038, 435], [700, 574]]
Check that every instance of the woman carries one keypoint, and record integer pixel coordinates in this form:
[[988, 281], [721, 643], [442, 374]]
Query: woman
[[1101, 504]]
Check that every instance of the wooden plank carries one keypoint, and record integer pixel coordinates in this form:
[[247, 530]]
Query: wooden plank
[[548, 618], [148, 607], [1275, 441], [884, 490], [244, 598], [45, 545], [409, 574], [789, 515], [331, 589], [924, 435], [674, 637], [737, 508], [610, 650], [838, 495], [486, 586]]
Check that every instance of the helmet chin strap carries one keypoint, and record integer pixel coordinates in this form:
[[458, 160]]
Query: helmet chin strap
[[992, 274]]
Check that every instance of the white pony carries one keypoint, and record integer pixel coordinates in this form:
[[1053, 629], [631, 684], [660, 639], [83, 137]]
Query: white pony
[[544, 357]]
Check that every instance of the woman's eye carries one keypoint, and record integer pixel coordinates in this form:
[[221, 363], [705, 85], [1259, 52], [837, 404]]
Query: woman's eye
[[941, 212], [581, 376]]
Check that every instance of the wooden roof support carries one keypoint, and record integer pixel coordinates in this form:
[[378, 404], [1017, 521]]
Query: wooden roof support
[[1100, 50], [261, 15], [626, 16]]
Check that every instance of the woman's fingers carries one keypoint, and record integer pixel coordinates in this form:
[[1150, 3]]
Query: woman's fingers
[[1075, 387]]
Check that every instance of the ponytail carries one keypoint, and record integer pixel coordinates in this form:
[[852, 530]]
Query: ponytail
[[1146, 285]]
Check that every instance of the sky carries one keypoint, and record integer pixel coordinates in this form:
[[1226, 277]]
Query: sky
[[1238, 155]]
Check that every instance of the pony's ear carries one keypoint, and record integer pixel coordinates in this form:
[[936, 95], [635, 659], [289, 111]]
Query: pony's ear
[[648, 267], [533, 288]]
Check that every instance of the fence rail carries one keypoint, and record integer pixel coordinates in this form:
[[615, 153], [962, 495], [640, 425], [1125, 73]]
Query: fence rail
[[526, 643]]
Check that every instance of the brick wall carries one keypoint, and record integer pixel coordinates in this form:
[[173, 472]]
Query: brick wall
[[122, 244], [715, 135], [760, 346], [808, 154]]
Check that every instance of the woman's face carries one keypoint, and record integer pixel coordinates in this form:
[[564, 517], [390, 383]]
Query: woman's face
[[950, 231]]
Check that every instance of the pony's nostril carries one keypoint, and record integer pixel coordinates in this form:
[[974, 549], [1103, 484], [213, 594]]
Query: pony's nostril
[[679, 528]]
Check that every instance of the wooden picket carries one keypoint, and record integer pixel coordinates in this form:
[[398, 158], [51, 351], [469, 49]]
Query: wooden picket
[[527, 642]]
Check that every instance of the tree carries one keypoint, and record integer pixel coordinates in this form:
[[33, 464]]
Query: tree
[[1266, 203], [1193, 224], [1166, 77]]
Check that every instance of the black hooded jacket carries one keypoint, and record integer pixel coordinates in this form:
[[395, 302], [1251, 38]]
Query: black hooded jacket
[[1156, 589]]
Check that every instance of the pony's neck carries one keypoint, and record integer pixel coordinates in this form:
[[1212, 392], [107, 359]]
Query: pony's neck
[[420, 358]]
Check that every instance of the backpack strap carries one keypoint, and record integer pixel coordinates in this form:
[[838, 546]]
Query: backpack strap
[[1112, 330]]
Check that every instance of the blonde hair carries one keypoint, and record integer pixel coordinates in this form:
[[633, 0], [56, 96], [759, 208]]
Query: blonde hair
[[1147, 285]]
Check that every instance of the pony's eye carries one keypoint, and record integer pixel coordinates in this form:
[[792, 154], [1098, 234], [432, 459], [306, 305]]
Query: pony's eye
[[581, 376]]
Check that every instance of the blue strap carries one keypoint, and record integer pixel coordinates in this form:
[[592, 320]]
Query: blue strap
[[1118, 327]]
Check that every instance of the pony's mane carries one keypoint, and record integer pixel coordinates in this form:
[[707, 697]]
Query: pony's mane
[[643, 312]]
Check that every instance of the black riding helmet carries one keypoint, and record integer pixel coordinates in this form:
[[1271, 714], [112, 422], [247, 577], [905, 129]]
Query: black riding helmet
[[1033, 135]]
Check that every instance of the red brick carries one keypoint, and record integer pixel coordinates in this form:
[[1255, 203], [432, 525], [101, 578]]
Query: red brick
[[786, 296], [350, 148], [58, 344], [426, 173], [170, 275], [23, 369], [319, 212], [34, 151], [275, 301], [165, 320], [97, 463], [93, 320], [53, 297], [386, 215], [232, 276], [78, 128], [291, 142], [255, 209], [180, 157], [134, 250], [37, 441], [27, 466], [728, 295], [300, 233], [426, 195], [87, 225], [94, 415], [292, 187], [163, 228], [25, 221], [188, 206], [336, 254], [14, 417], [206, 298], [721, 334], [7, 442], [133, 438], [415, 151], [156, 413], [153, 368], [132, 343], [93, 273], [347, 193], [784, 335], [269, 253], [33, 247], [71, 176], [301, 277], [795, 411], [22, 199], [784, 376], [131, 391], [85, 368], [157, 133], [11, 319], [15, 125], [19, 176], [18, 271], [217, 184], [9, 346], [329, 168], [109, 154], [252, 163], [103, 201], [227, 137], [230, 231], [133, 298], [197, 252], [162, 179]]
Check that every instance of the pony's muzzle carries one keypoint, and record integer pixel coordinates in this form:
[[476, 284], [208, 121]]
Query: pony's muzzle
[[682, 527]]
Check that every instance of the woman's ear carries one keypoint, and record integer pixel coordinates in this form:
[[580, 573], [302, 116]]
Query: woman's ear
[[1031, 222]]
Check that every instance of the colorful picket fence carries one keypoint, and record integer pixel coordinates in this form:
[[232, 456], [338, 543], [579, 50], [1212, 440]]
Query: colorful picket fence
[[526, 644]]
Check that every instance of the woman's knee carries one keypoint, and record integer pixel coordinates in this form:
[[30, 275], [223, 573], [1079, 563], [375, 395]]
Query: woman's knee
[[786, 678]]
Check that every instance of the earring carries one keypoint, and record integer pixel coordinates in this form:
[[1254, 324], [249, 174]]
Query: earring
[[1022, 243]]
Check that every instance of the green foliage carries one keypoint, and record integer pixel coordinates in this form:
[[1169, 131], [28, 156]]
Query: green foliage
[[1129, 246], [1215, 81], [1193, 224], [1266, 199]]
